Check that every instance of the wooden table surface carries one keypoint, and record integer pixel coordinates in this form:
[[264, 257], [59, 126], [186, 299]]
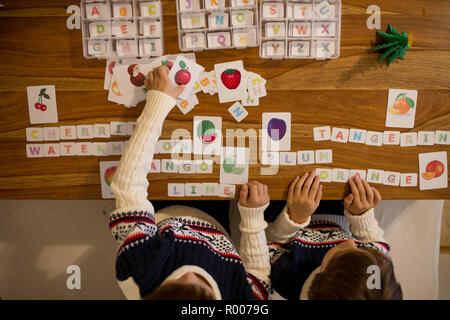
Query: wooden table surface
[[36, 48]]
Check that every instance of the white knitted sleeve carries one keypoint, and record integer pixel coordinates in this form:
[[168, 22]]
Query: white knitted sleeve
[[365, 227], [130, 180], [283, 229], [253, 249]]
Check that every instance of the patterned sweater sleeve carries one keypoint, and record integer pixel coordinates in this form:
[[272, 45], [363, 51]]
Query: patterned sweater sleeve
[[134, 215]]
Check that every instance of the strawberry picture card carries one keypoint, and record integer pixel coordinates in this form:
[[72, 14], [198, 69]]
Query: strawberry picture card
[[231, 80], [42, 104]]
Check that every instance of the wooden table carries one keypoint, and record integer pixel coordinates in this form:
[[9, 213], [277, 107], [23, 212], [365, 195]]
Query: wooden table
[[36, 48]]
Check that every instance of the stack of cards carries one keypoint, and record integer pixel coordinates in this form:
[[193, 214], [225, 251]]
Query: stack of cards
[[124, 78]]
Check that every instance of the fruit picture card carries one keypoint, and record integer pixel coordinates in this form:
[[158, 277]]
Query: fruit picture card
[[42, 104], [231, 81], [207, 135], [433, 170], [234, 164], [401, 108], [185, 72], [276, 131], [107, 171]]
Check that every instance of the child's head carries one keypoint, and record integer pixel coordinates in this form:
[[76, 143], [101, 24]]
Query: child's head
[[344, 276], [190, 286]]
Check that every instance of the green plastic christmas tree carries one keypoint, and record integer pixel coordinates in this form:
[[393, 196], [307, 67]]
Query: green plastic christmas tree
[[395, 44]]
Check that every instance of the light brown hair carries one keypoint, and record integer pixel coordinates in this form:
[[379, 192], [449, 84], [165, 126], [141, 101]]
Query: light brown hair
[[345, 278]]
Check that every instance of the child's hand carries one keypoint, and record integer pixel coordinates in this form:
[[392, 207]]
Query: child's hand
[[254, 195], [304, 197], [158, 80], [362, 198]]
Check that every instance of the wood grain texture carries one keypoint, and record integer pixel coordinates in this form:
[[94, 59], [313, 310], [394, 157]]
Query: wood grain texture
[[36, 48]]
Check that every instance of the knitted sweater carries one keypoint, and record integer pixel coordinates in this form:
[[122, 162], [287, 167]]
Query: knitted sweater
[[149, 252], [297, 250]]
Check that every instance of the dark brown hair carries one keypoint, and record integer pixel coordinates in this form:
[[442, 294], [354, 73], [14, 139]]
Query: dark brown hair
[[177, 291], [345, 278]]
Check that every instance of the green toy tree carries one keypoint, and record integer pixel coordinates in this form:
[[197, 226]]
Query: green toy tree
[[395, 44]]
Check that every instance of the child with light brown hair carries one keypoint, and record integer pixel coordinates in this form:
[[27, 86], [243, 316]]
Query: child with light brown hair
[[329, 256]]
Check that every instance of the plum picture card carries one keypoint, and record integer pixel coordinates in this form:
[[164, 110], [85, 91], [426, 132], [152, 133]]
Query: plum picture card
[[276, 131]]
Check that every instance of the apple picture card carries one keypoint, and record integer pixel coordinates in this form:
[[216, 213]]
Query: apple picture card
[[401, 108], [433, 171], [231, 81], [42, 104], [207, 135], [276, 131], [107, 171], [234, 164], [185, 72]]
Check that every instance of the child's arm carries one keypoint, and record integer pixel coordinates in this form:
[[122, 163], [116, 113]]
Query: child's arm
[[303, 199], [359, 211], [254, 252], [134, 213]]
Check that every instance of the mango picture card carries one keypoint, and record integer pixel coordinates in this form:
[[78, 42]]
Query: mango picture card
[[42, 104], [401, 108], [107, 172], [433, 171]]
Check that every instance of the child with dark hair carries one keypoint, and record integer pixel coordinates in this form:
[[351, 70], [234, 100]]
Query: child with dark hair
[[181, 252], [328, 256]]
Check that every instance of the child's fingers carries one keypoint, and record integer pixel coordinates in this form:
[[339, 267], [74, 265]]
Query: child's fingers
[[253, 189], [318, 195], [179, 90], [243, 194], [377, 196], [355, 192], [361, 190], [348, 201], [308, 183], [292, 187], [369, 191], [299, 185], [162, 71], [314, 188]]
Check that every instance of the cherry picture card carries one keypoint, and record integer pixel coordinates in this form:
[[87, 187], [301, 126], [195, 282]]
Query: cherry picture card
[[231, 80], [185, 72], [42, 104], [276, 131], [433, 170], [401, 108]]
